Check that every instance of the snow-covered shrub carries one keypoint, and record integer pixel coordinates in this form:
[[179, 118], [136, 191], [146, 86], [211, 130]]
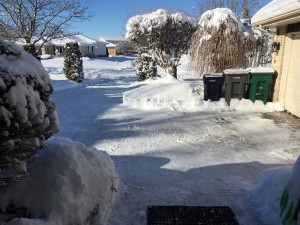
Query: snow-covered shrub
[[144, 67], [69, 184], [30, 48], [221, 42], [125, 47], [163, 35], [73, 63], [27, 114]]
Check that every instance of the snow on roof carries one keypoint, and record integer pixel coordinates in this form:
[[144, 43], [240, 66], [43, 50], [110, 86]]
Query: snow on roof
[[112, 38], [79, 38], [276, 8], [109, 44]]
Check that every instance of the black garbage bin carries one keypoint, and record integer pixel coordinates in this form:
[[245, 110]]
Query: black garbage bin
[[236, 84], [212, 86]]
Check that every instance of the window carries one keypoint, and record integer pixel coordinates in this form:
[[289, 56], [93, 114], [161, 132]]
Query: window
[[60, 49], [90, 49]]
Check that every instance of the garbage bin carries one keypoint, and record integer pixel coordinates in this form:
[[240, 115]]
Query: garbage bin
[[261, 81], [212, 86], [236, 84]]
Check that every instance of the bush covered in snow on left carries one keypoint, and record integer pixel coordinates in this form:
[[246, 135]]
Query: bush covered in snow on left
[[27, 114], [68, 184]]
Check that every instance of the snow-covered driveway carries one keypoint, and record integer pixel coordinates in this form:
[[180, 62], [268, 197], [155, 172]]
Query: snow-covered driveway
[[172, 157]]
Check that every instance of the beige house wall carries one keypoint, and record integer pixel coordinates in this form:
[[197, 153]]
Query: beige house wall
[[277, 60], [112, 51]]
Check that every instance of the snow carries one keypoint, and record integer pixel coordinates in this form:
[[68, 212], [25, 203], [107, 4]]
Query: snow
[[157, 18], [196, 153], [163, 94], [80, 39], [216, 17], [66, 183], [275, 8]]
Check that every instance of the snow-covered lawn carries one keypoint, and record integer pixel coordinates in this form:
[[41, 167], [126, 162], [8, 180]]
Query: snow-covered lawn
[[168, 151]]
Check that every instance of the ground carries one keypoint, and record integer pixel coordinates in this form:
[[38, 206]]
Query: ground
[[166, 157]]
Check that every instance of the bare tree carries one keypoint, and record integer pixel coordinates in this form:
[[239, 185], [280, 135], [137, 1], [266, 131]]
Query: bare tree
[[166, 37], [40, 20], [237, 6]]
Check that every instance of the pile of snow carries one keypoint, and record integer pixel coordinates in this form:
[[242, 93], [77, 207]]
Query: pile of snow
[[169, 93], [69, 184], [274, 184], [265, 196], [276, 8], [46, 56], [27, 113], [157, 18]]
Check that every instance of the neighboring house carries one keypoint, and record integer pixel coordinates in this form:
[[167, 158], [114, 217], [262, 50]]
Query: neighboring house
[[112, 43], [88, 46], [283, 17]]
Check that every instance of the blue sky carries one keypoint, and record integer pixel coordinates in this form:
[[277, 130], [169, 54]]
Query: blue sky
[[111, 15]]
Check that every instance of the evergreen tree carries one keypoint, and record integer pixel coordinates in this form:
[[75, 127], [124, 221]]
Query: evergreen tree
[[73, 63], [145, 67]]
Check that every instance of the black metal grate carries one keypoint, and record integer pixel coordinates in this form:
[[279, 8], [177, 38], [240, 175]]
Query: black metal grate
[[191, 215]]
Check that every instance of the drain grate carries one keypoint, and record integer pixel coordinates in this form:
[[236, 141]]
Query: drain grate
[[191, 215]]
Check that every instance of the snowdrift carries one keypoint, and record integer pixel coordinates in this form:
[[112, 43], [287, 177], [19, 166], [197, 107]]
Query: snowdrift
[[69, 184], [168, 93]]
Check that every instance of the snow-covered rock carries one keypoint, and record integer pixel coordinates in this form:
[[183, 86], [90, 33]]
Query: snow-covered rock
[[69, 184]]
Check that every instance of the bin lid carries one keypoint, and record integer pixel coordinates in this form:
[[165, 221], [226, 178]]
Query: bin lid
[[213, 75], [236, 71], [262, 70]]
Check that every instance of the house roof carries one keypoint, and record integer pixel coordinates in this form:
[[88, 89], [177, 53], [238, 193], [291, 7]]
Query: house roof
[[278, 12], [79, 38], [110, 39]]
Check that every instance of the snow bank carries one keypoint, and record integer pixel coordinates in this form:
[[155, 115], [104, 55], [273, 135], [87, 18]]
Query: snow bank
[[266, 194], [275, 8], [169, 93], [69, 184]]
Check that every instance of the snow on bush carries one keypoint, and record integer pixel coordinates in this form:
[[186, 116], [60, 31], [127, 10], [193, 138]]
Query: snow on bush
[[168, 93], [144, 66], [69, 184], [27, 114], [163, 35]]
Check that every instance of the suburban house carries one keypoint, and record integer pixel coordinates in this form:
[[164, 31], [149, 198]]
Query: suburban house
[[112, 43], [283, 19], [88, 46]]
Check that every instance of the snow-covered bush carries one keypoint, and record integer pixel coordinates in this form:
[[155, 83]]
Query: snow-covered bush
[[73, 63], [125, 47], [27, 114], [221, 42], [69, 184], [30, 48], [163, 35], [144, 67]]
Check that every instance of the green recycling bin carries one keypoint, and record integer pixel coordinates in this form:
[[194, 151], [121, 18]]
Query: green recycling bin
[[261, 81]]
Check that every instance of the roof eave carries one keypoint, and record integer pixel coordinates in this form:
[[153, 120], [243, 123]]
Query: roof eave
[[280, 20]]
